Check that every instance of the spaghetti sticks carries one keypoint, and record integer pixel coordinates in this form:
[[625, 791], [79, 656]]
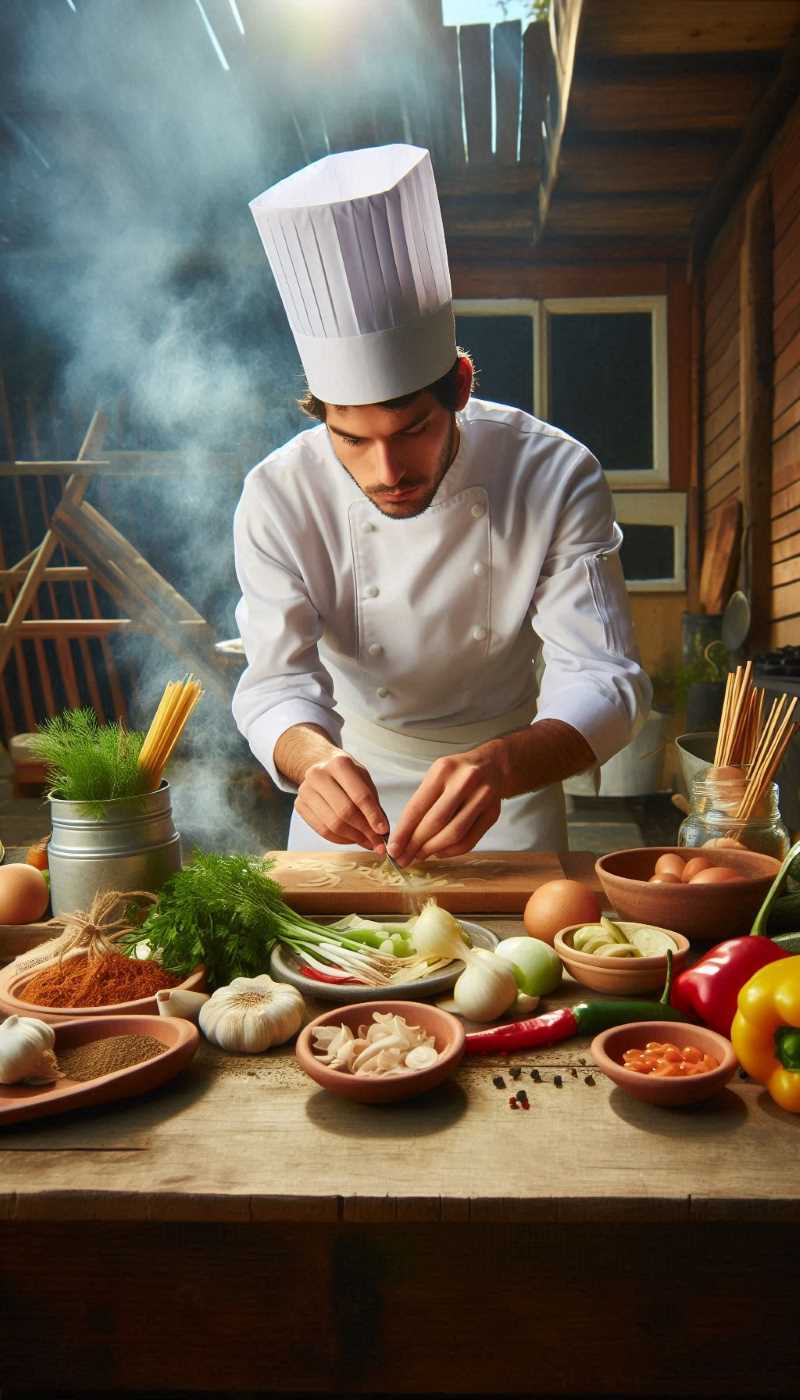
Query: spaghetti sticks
[[751, 742], [167, 725]]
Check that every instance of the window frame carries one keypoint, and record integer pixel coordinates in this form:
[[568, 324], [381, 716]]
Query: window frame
[[656, 508]]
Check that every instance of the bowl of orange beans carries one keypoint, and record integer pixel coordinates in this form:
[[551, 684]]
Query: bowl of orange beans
[[670, 1063]]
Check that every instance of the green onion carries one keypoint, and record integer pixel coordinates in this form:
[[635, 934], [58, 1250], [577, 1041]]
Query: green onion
[[226, 912]]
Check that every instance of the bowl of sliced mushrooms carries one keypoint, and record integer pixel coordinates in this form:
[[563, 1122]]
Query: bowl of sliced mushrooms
[[620, 955], [381, 1051]]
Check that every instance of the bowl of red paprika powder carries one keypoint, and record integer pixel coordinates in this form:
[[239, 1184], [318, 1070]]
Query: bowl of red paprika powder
[[108, 985]]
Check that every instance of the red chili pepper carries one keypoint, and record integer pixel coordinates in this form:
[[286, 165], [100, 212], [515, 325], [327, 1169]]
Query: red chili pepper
[[587, 1018], [323, 976]]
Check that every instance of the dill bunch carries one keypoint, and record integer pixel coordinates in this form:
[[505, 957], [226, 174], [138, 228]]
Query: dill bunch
[[90, 762], [226, 912]]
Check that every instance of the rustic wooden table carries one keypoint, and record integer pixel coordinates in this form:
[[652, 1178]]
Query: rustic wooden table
[[241, 1229]]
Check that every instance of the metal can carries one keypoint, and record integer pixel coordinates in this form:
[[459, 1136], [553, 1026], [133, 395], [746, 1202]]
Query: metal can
[[133, 845]]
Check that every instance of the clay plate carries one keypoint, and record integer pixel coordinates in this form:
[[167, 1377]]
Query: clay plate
[[446, 1029], [180, 1040], [619, 975], [609, 1047], [707, 913], [11, 1002], [284, 968]]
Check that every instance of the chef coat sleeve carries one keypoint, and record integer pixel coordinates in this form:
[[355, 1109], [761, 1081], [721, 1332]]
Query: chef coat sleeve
[[592, 677], [284, 682]]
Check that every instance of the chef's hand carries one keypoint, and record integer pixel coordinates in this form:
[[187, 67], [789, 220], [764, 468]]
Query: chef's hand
[[337, 797], [453, 807]]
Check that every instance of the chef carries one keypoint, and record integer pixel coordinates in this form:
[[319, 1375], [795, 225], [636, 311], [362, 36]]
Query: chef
[[417, 566]]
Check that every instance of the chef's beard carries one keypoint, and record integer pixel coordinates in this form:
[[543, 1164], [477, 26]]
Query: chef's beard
[[400, 512]]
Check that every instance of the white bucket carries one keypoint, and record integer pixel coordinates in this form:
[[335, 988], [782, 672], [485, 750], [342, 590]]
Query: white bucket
[[635, 770]]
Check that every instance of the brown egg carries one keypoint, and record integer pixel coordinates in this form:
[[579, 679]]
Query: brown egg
[[694, 866], [726, 773], [728, 841], [558, 903], [24, 895], [664, 878], [715, 875], [669, 864]]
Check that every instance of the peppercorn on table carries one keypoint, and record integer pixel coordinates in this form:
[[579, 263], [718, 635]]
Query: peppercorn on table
[[286, 1240]]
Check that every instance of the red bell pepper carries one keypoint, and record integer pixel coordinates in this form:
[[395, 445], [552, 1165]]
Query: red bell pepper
[[710, 988]]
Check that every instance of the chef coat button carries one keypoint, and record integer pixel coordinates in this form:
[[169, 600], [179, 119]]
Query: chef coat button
[[479, 634], [371, 591], [375, 649], [477, 569], [382, 692], [478, 511]]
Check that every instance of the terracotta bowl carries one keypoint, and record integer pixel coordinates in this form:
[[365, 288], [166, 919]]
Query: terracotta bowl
[[609, 1047], [707, 913], [619, 975], [12, 1001], [20, 1102], [447, 1031]]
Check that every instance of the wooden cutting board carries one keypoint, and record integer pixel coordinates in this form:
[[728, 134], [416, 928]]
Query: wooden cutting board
[[721, 557], [491, 882]]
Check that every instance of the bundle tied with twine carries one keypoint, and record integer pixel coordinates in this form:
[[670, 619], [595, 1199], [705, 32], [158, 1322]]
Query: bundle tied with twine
[[95, 932]]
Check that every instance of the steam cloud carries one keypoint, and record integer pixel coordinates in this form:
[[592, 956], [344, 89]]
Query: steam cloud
[[129, 163]]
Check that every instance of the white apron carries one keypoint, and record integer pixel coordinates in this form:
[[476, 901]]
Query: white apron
[[398, 763]]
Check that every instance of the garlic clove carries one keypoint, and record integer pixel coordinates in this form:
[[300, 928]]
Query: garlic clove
[[173, 1002], [422, 1057]]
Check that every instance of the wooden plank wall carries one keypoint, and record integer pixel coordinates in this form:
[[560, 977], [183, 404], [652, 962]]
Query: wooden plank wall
[[720, 413], [786, 408]]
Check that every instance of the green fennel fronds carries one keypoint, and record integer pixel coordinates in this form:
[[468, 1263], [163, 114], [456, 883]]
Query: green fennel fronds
[[87, 761]]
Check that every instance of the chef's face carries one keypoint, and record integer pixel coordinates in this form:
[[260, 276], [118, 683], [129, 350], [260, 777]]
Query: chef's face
[[397, 456]]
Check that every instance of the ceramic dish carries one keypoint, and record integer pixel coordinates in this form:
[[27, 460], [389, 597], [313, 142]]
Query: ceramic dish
[[180, 1040], [609, 1047], [707, 913], [12, 1003], [20, 938], [284, 968], [625, 975], [447, 1031]]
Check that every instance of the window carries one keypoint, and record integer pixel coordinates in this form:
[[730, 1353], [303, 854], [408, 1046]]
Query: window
[[594, 366], [605, 382], [654, 548], [501, 337]]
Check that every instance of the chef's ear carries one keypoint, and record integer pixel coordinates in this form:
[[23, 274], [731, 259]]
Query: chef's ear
[[465, 376]]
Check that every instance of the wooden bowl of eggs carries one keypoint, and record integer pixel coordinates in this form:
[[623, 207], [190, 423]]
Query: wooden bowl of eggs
[[705, 896]]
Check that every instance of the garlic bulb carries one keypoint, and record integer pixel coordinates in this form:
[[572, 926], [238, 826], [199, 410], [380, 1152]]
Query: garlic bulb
[[486, 988], [26, 1051], [251, 1014]]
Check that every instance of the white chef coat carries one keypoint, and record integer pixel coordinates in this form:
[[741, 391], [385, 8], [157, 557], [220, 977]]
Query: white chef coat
[[424, 624]]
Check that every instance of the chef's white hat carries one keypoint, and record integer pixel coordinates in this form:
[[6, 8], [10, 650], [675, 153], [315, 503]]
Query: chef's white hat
[[356, 245]]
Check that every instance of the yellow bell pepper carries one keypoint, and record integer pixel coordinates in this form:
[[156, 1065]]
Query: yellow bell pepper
[[766, 1030]]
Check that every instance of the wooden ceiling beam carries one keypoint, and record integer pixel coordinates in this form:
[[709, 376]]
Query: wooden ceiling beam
[[674, 99], [629, 28], [506, 255], [653, 163], [626, 216]]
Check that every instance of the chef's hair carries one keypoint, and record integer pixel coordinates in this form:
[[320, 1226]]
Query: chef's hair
[[446, 390]]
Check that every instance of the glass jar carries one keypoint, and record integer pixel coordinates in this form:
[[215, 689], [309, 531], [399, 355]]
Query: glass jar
[[712, 817]]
